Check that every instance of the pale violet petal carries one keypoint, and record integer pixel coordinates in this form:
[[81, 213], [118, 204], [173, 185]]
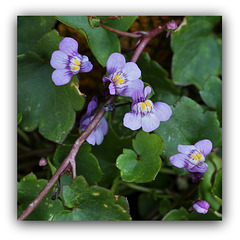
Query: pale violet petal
[[132, 121], [179, 160], [115, 63], [162, 110], [69, 46], [201, 168], [147, 91], [131, 87], [186, 149], [131, 71], [204, 146], [103, 125], [61, 77], [86, 66], [112, 89], [150, 122], [59, 60]]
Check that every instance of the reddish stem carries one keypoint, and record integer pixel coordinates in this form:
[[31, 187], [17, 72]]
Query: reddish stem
[[70, 159], [126, 34]]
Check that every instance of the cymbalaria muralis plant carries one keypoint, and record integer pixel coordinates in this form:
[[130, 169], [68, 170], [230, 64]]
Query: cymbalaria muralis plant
[[113, 126]]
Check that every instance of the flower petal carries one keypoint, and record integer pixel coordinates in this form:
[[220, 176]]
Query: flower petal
[[137, 96], [179, 160], [103, 125], [131, 87], [162, 110], [90, 109], [59, 60], [69, 46], [150, 122], [131, 71], [61, 77], [106, 79], [112, 89], [147, 91], [86, 67], [204, 146], [132, 120], [186, 149], [115, 63], [201, 206], [91, 139], [202, 168]]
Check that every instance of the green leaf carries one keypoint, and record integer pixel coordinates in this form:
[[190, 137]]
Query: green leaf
[[19, 118], [122, 23], [107, 153], [196, 52], [91, 204], [164, 206], [28, 188], [46, 106], [48, 44], [31, 29], [143, 164], [217, 187], [177, 215], [86, 163], [189, 124], [157, 77], [206, 187], [102, 42], [212, 94]]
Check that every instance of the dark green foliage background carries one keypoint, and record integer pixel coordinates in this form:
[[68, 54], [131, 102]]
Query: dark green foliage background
[[129, 176]]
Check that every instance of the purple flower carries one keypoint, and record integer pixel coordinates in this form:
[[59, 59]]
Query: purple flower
[[170, 27], [144, 113], [192, 157], [201, 206], [42, 162], [124, 77], [68, 62], [97, 135]]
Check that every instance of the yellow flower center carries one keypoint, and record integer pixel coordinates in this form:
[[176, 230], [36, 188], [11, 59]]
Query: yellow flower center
[[75, 64], [118, 80], [197, 156]]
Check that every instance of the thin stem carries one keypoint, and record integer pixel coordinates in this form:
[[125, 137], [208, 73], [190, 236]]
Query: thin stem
[[126, 34], [151, 34], [167, 171], [145, 189], [70, 159]]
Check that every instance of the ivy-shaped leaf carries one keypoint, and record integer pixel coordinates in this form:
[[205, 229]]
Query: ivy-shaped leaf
[[30, 30], [197, 54], [28, 188], [142, 164], [101, 42], [107, 153], [212, 94], [52, 111], [188, 124], [91, 204]]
